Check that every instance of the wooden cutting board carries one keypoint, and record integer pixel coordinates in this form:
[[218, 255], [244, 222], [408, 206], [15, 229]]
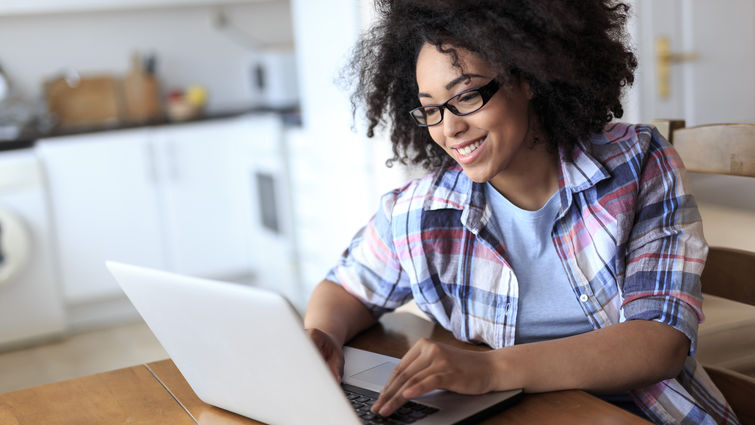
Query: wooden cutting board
[[94, 102]]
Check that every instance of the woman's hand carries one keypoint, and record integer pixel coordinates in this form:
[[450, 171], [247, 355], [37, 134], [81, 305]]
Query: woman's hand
[[431, 365], [330, 351]]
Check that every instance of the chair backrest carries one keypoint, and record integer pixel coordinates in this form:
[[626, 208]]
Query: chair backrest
[[717, 148], [739, 390], [730, 273]]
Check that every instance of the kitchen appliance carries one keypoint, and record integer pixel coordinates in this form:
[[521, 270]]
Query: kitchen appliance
[[14, 114], [272, 79], [4, 85], [31, 306]]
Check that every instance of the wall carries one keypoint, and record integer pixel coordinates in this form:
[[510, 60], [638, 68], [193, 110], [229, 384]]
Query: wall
[[189, 48], [337, 173]]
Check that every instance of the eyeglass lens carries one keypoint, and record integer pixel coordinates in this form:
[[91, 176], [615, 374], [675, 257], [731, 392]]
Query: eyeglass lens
[[461, 104]]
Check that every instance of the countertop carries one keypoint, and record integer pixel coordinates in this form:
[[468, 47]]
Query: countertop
[[27, 138]]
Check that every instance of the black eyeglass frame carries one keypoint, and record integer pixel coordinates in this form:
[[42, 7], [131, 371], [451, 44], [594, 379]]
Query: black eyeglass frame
[[486, 93]]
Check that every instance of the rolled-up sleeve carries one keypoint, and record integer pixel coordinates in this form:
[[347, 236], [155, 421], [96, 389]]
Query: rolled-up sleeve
[[370, 268], [667, 250]]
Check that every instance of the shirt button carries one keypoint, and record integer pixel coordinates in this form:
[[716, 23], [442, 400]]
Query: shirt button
[[583, 298]]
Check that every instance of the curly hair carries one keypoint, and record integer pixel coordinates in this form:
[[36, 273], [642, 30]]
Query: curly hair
[[572, 54]]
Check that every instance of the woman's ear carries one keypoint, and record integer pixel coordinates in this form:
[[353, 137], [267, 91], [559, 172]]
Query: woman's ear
[[527, 89]]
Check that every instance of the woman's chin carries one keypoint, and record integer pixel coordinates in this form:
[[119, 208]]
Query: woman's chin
[[476, 175]]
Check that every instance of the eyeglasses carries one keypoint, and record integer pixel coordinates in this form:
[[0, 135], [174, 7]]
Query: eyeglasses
[[464, 103]]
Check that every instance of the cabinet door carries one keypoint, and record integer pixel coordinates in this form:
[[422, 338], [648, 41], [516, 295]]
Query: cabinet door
[[104, 206], [203, 192]]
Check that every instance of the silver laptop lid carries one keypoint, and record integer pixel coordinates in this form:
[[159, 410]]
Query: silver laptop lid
[[240, 348]]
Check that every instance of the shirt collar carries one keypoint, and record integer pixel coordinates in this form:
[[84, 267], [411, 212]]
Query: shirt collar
[[583, 171], [452, 189]]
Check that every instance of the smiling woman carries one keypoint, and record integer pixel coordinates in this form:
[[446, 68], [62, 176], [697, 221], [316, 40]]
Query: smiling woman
[[567, 243]]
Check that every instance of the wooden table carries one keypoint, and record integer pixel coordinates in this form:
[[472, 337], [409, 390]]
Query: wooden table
[[157, 393]]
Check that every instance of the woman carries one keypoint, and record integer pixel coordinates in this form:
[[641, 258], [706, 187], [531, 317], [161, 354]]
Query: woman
[[568, 244]]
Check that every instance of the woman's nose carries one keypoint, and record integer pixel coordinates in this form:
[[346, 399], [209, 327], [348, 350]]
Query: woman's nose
[[452, 124]]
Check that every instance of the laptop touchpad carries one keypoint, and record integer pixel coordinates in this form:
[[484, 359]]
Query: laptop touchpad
[[377, 375]]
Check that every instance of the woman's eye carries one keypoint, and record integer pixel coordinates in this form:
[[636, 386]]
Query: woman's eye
[[431, 110], [469, 97]]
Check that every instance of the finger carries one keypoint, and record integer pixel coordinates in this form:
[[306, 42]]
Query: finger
[[430, 379], [430, 382], [409, 360], [334, 359], [392, 392], [338, 367], [405, 369], [410, 364], [333, 367]]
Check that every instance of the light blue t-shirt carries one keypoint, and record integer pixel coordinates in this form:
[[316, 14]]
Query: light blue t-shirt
[[548, 308]]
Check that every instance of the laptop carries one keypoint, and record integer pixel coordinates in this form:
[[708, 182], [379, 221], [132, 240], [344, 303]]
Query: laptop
[[244, 349]]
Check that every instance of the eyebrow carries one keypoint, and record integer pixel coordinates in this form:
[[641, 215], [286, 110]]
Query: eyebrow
[[454, 82]]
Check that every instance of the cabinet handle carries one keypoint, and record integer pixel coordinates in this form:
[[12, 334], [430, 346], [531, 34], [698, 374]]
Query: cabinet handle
[[151, 162], [173, 156]]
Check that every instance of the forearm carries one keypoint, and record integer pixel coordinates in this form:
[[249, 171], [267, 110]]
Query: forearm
[[617, 358], [336, 312]]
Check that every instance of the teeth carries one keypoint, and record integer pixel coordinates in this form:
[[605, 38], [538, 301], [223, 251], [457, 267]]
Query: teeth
[[466, 150]]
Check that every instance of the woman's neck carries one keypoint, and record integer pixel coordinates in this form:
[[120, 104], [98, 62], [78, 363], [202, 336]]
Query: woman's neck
[[531, 180]]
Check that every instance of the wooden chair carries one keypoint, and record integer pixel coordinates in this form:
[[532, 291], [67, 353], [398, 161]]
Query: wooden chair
[[729, 273], [717, 148], [739, 390]]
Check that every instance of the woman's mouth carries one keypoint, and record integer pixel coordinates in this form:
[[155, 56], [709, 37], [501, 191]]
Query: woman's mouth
[[466, 150], [469, 153]]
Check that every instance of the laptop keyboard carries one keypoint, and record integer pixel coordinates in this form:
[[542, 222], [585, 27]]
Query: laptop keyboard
[[362, 400]]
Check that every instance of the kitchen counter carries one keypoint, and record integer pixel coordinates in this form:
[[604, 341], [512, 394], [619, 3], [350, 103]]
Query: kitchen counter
[[27, 138], [21, 143]]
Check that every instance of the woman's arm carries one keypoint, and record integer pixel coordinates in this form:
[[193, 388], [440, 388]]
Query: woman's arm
[[333, 317], [617, 358], [336, 312]]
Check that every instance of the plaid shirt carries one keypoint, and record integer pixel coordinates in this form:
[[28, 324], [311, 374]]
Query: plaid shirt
[[628, 233]]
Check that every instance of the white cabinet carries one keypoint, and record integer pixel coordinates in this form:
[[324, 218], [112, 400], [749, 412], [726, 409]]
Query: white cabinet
[[176, 197], [205, 197], [104, 207]]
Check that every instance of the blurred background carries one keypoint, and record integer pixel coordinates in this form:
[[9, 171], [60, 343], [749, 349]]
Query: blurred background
[[212, 138]]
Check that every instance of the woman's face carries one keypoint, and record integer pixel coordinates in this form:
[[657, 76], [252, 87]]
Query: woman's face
[[487, 142]]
